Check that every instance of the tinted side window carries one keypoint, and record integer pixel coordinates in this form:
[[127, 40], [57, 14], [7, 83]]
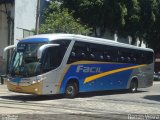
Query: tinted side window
[[110, 54], [52, 58], [92, 52], [121, 55], [125, 56], [147, 57], [79, 52], [96, 52], [144, 57], [150, 57], [63, 43]]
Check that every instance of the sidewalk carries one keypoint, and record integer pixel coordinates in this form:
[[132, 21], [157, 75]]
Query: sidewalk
[[3, 88], [156, 82]]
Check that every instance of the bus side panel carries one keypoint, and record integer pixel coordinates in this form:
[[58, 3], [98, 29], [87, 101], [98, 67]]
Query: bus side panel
[[81, 72], [109, 82], [144, 76]]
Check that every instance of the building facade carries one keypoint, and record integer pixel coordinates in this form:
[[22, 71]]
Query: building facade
[[17, 20]]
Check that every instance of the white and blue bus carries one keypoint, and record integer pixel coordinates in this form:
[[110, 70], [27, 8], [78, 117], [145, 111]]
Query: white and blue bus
[[69, 64]]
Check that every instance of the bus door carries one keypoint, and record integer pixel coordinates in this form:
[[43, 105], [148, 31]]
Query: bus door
[[53, 63]]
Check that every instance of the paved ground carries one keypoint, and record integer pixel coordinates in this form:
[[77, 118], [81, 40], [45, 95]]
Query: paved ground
[[87, 106]]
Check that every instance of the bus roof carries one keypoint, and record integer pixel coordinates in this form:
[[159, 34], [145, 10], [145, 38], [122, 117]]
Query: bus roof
[[50, 37]]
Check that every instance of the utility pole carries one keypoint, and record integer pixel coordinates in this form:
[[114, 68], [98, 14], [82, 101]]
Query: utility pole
[[37, 17]]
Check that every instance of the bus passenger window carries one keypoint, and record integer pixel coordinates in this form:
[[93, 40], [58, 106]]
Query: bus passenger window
[[52, 58], [73, 54], [72, 57], [133, 60], [107, 58], [79, 50], [128, 59], [83, 55], [150, 58], [92, 56], [101, 57], [122, 59]]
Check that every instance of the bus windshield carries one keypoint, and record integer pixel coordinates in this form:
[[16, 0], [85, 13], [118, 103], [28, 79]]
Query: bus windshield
[[25, 62]]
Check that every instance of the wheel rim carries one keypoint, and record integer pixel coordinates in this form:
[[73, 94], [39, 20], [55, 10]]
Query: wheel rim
[[133, 86], [70, 90]]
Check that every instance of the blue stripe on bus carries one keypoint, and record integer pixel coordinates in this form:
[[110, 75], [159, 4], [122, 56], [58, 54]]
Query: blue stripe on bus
[[114, 81], [35, 40], [16, 80]]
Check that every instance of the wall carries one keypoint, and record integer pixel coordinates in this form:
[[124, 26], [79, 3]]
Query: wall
[[126, 40], [4, 34], [3, 30], [25, 17]]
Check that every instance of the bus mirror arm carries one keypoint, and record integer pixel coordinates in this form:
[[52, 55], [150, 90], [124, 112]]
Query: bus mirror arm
[[43, 48], [6, 49]]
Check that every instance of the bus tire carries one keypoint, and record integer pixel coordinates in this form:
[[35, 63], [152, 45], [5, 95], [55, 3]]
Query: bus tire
[[133, 86], [71, 90]]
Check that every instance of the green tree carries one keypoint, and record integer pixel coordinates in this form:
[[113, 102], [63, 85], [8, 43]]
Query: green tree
[[115, 13], [137, 18], [99, 14], [60, 20], [132, 19], [147, 18], [153, 34], [89, 11]]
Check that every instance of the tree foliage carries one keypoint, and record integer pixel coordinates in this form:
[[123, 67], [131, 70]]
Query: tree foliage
[[60, 20], [102, 13], [153, 33], [136, 18]]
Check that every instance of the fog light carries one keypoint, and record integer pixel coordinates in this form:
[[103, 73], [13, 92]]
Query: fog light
[[36, 89], [33, 82], [38, 78]]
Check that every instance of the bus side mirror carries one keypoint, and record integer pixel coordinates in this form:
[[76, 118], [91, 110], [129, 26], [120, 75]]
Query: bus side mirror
[[6, 49], [43, 48]]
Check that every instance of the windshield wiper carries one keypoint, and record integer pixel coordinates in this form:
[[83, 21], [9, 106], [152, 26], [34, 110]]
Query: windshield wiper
[[16, 64]]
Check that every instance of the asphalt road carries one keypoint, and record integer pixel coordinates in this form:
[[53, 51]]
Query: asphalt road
[[145, 104]]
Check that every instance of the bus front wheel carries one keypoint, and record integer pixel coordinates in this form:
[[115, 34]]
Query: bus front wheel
[[71, 90], [133, 86]]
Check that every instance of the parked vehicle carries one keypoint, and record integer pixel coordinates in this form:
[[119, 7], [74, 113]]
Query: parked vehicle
[[157, 76]]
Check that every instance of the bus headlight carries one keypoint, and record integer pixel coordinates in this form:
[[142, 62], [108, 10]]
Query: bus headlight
[[33, 82], [36, 89], [38, 78]]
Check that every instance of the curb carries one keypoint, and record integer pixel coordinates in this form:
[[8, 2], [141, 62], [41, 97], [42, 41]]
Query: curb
[[156, 82]]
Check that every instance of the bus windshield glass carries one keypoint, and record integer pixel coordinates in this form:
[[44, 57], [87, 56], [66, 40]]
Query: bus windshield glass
[[25, 62]]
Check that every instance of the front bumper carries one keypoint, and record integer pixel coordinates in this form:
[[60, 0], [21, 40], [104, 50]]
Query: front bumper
[[35, 88]]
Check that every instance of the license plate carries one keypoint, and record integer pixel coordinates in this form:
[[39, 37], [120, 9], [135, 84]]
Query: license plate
[[18, 88]]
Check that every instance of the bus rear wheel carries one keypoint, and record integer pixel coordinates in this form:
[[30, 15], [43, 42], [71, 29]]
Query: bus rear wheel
[[133, 86], [71, 90]]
